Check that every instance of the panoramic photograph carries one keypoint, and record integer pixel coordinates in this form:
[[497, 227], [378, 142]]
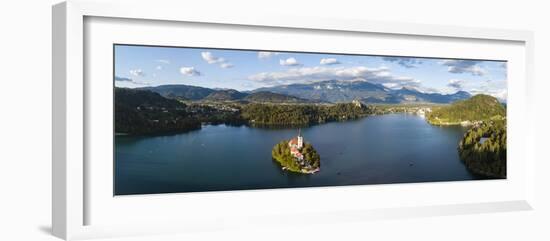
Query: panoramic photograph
[[190, 119]]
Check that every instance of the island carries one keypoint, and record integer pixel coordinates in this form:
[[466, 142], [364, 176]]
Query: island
[[295, 155]]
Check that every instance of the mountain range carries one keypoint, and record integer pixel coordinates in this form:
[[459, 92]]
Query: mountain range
[[330, 91], [344, 91]]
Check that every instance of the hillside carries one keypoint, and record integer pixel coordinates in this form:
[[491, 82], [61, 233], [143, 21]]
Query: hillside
[[146, 112], [181, 91], [265, 96], [225, 95], [477, 108], [134, 98]]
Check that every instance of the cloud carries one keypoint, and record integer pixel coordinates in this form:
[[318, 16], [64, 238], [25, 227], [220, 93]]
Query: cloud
[[226, 65], [406, 62], [137, 72], [380, 75], [119, 78], [329, 61], [500, 94], [456, 84], [289, 62], [464, 66], [189, 71], [495, 88], [159, 67], [266, 55], [211, 59], [163, 61], [125, 81]]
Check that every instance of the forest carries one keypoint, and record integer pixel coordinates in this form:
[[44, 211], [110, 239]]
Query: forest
[[483, 149], [147, 112], [477, 108], [300, 114]]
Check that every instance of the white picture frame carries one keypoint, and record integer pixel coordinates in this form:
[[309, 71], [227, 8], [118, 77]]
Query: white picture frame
[[73, 188]]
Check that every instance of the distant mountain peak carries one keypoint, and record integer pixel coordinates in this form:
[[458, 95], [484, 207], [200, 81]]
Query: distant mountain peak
[[462, 92], [335, 91], [345, 91]]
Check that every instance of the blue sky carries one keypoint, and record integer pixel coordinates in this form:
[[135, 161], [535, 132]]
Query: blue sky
[[138, 66]]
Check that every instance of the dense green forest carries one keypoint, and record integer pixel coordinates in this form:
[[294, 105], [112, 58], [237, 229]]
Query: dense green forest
[[281, 154], [301, 114], [483, 149], [225, 95], [477, 108], [146, 112], [265, 96]]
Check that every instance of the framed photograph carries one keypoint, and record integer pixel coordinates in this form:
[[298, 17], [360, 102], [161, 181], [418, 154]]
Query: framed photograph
[[178, 121]]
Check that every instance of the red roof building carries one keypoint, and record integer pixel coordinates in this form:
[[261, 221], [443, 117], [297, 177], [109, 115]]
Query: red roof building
[[295, 145]]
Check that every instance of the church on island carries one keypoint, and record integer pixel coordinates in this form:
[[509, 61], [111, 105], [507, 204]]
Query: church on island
[[296, 155], [296, 145]]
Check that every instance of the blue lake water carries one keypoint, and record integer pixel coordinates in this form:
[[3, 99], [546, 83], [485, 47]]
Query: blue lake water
[[396, 148]]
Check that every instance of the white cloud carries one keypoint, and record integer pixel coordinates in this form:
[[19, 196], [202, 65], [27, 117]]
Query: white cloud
[[380, 75], [500, 94], [289, 62], [495, 88], [226, 65], [129, 82], [464, 66], [329, 61], [189, 71], [158, 67], [137, 72], [211, 59], [456, 84], [407, 62], [163, 61], [266, 55]]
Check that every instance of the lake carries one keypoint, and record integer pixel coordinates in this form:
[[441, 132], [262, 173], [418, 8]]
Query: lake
[[395, 148]]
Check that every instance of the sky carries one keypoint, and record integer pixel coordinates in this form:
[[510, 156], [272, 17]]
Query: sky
[[139, 66]]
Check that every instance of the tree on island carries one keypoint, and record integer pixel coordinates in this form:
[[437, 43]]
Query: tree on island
[[296, 156]]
